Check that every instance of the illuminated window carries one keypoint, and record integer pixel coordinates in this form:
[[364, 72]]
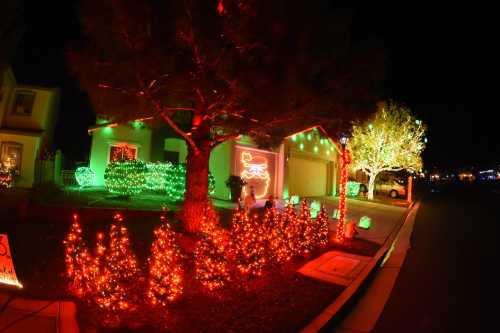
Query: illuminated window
[[11, 156], [23, 102], [122, 152]]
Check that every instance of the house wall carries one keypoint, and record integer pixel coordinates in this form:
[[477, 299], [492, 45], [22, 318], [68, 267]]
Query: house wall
[[178, 145], [316, 155], [30, 149], [103, 138], [6, 92], [43, 112], [220, 167], [32, 130]]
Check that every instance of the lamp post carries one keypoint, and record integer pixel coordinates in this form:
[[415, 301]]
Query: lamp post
[[344, 162]]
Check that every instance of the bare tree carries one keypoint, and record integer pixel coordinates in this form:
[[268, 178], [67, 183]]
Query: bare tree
[[237, 67]]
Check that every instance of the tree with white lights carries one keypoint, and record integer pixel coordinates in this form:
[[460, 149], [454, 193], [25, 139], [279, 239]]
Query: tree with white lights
[[391, 140]]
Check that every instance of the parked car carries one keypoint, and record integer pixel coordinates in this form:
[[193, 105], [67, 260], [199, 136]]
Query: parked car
[[391, 186]]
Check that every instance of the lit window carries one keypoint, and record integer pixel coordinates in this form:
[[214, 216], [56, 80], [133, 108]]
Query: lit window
[[23, 103], [11, 156], [122, 152]]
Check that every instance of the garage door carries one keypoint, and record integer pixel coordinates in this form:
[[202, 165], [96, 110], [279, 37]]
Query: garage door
[[307, 178]]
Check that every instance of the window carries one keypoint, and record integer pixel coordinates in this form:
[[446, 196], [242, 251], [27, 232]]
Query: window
[[23, 103], [171, 156], [11, 156], [122, 152]]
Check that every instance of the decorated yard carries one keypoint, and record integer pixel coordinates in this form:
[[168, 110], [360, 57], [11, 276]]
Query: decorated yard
[[278, 300]]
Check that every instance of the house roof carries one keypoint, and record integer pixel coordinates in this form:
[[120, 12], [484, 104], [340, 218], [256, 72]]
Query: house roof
[[320, 129], [25, 132], [113, 124]]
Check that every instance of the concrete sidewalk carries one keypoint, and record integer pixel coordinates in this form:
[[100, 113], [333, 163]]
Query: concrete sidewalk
[[25, 315], [352, 271]]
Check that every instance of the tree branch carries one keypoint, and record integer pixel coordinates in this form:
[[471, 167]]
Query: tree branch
[[176, 128]]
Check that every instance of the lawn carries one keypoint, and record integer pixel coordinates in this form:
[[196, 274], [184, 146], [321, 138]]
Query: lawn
[[280, 301]]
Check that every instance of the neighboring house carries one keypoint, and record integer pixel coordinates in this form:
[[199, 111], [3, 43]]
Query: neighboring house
[[27, 120], [305, 164]]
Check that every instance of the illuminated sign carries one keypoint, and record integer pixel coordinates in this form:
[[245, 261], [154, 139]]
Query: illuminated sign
[[254, 169], [7, 272]]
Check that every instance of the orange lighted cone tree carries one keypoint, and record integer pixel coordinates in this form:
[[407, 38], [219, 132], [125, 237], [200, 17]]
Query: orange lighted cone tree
[[120, 270], [322, 227], [290, 230], [78, 259], [97, 265], [305, 231], [279, 251], [211, 263], [165, 270], [248, 244]]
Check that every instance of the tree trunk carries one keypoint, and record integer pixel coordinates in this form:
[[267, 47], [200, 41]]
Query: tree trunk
[[196, 187], [371, 185]]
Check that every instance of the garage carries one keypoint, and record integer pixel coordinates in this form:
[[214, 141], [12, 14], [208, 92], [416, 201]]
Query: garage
[[308, 177]]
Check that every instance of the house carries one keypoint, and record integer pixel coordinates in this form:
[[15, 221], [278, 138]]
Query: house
[[304, 164], [27, 120]]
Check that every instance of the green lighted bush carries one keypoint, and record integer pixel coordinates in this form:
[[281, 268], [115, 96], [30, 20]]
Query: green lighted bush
[[165, 178], [85, 176], [176, 184], [125, 177], [352, 189], [157, 176]]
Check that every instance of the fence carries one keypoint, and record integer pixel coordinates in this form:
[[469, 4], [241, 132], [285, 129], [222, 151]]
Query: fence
[[68, 178]]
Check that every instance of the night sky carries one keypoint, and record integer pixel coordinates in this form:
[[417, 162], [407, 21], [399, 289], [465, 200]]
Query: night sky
[[428, 66]]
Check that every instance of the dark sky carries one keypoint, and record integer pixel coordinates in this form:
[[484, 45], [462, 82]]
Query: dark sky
[[429, 52]]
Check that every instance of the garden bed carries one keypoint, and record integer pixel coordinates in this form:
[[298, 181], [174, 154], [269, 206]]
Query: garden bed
[[280, 301]]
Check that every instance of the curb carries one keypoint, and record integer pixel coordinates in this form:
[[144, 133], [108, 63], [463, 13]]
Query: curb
[[332, 310]]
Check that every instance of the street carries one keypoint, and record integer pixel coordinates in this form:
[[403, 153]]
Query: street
[[447, 271]]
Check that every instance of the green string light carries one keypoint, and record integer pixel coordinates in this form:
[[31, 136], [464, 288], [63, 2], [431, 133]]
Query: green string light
[[125, 177], [85, 176], [133, 177], [353, 189]]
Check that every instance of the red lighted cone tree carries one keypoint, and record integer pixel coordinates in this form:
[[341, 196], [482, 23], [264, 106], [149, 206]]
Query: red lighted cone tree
[[211, 263], [248, 244], [278, 249], [120, 271], [290, 229], [305, 231], [78, 259], [322, 227], [97, 265], [165, 283]]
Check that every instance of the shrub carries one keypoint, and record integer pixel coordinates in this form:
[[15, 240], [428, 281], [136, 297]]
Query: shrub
[[125, 177]]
